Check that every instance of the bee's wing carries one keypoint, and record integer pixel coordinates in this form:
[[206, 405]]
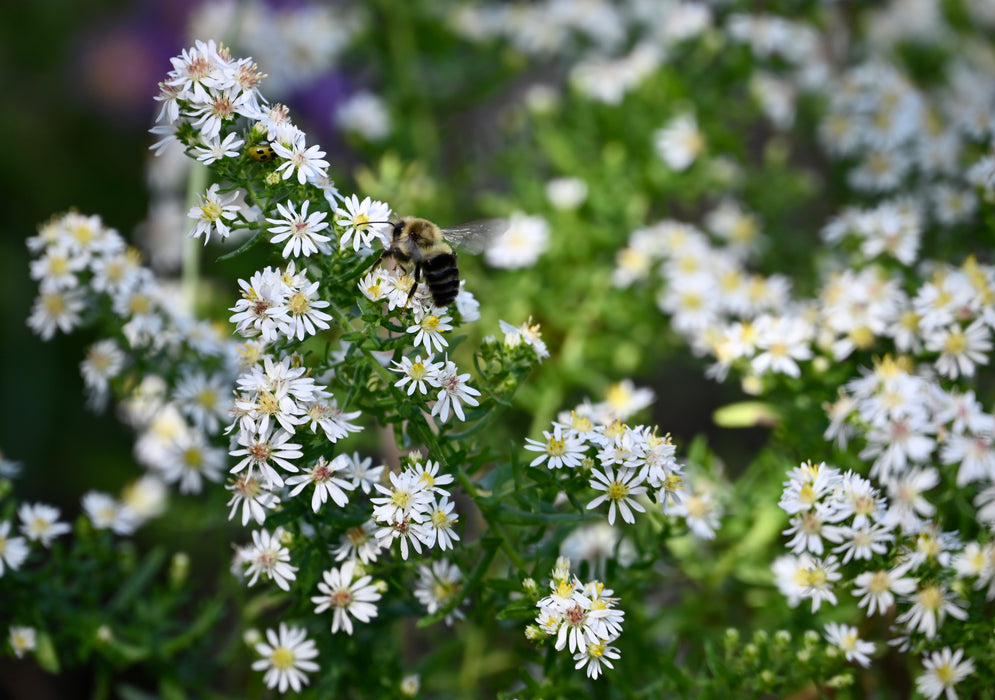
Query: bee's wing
[[474, 235]]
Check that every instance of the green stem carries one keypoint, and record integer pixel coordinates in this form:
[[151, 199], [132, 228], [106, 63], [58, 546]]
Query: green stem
[[191, 246]]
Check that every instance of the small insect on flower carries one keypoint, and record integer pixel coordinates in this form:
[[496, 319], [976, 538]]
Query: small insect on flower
[[261, 152], [419, 246]]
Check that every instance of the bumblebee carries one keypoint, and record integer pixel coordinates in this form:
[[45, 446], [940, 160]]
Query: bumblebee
[[261, 152], [421, 249]]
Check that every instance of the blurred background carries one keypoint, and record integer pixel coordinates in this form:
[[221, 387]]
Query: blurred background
[[79, 77]]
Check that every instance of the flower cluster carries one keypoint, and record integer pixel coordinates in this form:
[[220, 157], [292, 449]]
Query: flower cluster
[[583, 618], [84, 267], [415, 509], [628, 465], [846, 533]]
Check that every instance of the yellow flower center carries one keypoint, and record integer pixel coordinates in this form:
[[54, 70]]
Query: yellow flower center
[[54, 304], [282, 658], [211, 210], [298, 303], [617, 491], [956, 343]]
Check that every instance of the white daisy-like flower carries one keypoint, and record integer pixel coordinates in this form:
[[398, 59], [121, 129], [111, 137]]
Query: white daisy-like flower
[[304, 312], [300, 231], [562, 450], [428, 332], [944, 670], [439, 524], [348, 595], [56, 310], [214, 149], [286, 658], [328, 480], [933, 602], [365, 114], [453, 392], [363, 222], [107, 513], [845, 638], [269, 558], [214, 213], [619, 488], [362, 473], [418, 375], [262, 450], [437, 586], [22, 640], [13, 550], [520, 244], [679, 142], [309, 162], [40, 523], [359, 542], [595, 655], [961, 349], [248, 492]]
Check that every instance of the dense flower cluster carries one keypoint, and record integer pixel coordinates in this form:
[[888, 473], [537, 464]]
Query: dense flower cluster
[[628, 466], [583, 618]]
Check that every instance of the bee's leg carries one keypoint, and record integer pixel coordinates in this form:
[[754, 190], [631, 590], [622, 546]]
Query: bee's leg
[[414, 287], [389, 253]]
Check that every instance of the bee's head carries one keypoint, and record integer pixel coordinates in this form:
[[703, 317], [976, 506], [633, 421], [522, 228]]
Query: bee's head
[[398, 229]]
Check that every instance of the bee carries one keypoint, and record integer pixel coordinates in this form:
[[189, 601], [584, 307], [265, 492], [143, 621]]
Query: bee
[[422, 249], [261, 152]]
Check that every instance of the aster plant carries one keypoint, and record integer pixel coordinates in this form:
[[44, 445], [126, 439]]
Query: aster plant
[[418, 499]]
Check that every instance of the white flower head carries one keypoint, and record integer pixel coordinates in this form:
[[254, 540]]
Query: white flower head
[[349, 597], [287, 656]]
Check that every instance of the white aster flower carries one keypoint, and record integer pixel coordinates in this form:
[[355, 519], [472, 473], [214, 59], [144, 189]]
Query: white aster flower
[[365, 114], [363, 222], [944, 670], [328, 482], [437, 586], [107, 513], [286, 656], [845, 638], [22, 640], [300, 231], [40, 523], [268, 557], [428, 332], [961, 350], [620, 489], [439, 524], [453, 392], [679, 142], [359, 542], [304, 312], [56, 310], [262, 450], [407, 496], [308, 162], [213, 214], [418, 375], [562, 450], [527, 334], [13, 550], [248, 492], [519, 245], [215, 149], [933, 602], [595, 655], [346, 596]]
